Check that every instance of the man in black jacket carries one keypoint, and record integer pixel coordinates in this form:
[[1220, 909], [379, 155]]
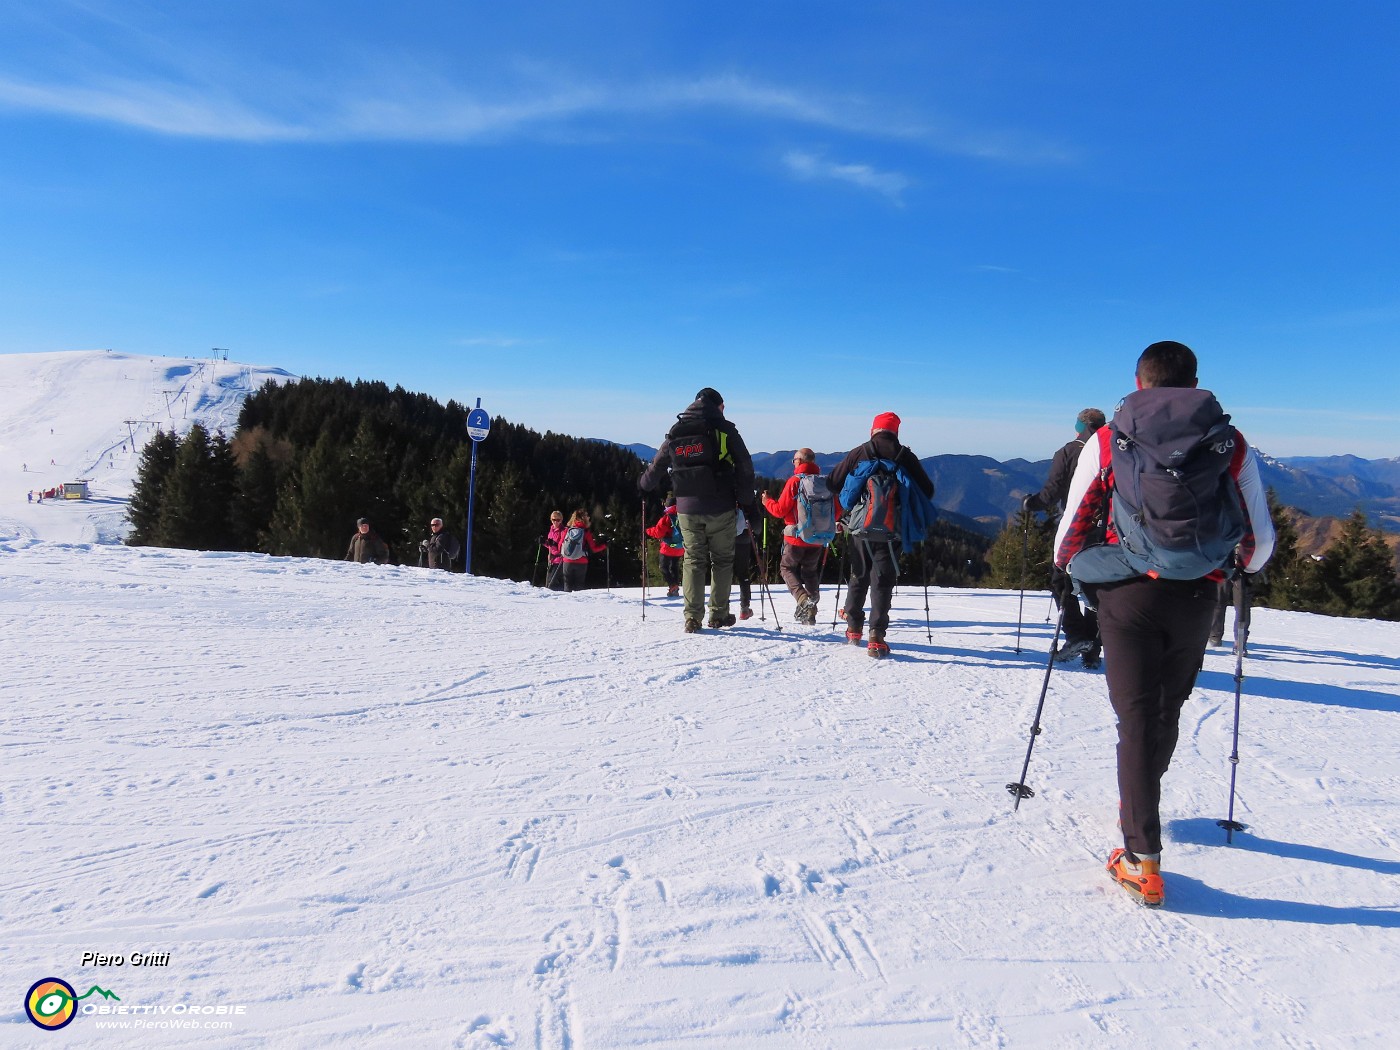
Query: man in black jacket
[[1081, 626], [875, 563], [711, 473], [441, 548]]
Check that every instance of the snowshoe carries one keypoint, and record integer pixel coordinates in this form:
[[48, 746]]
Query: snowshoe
[[1070, 650], [716, 622], [853, 637], [1141, 878], [876, 647]]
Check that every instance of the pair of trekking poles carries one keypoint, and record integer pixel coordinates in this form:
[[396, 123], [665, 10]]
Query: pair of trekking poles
[[1020, 790]]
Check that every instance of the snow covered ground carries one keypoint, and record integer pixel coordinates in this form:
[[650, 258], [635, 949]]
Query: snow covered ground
[[86, 415], [382, 807]]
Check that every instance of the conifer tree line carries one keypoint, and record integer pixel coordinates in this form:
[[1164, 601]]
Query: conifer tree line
[[309, 458], [1355, 576]]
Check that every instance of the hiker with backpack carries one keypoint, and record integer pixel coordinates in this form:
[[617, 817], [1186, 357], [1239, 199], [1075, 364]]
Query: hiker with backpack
[[441, 548], [1172, 487], [667, 533], [574, 549], [807, 508], [1081, 626], [889, 501], [711, 473]]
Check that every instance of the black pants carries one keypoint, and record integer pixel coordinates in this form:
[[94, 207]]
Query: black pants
[[574, 575], [671, 569], [1154, 636], [1230, 593], [1080, 624], [554, 578], [874, 569], [743, 568]]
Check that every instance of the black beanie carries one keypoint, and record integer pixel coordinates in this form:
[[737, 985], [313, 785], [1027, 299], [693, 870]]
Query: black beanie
[[710, 396]]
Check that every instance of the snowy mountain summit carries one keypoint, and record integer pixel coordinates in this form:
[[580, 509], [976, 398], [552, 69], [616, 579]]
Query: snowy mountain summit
[[85, 415]]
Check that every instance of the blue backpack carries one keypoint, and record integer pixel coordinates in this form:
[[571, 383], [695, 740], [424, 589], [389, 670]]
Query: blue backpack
[[816, 511], [675, 538], [872, 493]]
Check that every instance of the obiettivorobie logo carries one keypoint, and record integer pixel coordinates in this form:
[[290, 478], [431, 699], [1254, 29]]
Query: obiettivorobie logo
[[52, 1002]]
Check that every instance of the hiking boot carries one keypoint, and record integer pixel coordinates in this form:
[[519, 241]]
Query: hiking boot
[[673, 592], [841, 613], [745, 613], [692, 625], [806, 611], [716, 622], [1142, 878], [876, 647], [1214, 641], [853, 637], [1092, 661], [1070, 650]]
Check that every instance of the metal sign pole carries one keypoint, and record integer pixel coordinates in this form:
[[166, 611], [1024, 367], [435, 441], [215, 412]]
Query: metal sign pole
[[478, 426]]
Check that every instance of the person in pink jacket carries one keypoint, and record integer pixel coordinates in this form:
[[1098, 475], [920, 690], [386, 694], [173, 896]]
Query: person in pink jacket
[[554, 575], [578, 543]]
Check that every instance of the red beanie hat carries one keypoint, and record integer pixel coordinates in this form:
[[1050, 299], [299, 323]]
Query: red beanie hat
[[886, 421]]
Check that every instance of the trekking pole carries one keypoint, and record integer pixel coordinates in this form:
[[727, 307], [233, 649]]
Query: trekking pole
[[763, 568], [763, 571], [923, 559], [1230, 824], [1019, 788], [1025, 553], [644, 559], [1049, 607], [607, 565], [840, 579], [539, 549]]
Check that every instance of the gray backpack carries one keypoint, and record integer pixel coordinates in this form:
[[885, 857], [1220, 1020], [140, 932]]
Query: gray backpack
[[1175, 505]]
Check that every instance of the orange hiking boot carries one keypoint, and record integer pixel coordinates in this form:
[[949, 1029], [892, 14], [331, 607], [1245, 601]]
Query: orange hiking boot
[[876, 647], [1141, 878]]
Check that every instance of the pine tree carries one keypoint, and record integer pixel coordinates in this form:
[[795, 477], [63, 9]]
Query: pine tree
[[1024, 543], [1357, 574], [189, 495], [256, 499], [157, 460]]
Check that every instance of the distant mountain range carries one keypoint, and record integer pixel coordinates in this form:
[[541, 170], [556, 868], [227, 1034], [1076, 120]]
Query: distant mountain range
[[981, 493]]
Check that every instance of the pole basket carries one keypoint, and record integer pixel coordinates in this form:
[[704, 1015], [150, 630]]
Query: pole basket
[[1020, 791]]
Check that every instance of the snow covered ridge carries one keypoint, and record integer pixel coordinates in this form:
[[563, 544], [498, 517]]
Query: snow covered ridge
[[86, 414], [384, 807]]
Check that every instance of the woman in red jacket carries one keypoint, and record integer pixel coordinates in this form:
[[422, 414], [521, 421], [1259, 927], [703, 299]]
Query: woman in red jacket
[[801, 564], [667, 531]]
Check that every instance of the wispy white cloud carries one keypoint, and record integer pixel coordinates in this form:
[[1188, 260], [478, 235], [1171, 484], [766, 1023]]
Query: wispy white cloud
[[269, 105], [814, 167]]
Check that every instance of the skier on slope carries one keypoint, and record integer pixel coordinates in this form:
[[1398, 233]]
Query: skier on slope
[[1155, 599]]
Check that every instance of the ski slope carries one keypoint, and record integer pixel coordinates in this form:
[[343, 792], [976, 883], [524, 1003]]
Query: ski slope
[[382, 807], [86, 415]]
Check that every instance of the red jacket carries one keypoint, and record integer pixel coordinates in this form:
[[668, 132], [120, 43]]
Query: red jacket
[[662, 529], [785, 506]]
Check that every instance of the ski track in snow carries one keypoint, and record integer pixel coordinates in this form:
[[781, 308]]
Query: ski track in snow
[[382, 807]]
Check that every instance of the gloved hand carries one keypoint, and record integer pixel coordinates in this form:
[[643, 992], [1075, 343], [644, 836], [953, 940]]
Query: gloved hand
[[1032, 503]]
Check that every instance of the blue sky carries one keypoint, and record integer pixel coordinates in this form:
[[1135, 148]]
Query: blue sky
[[974, 214]]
